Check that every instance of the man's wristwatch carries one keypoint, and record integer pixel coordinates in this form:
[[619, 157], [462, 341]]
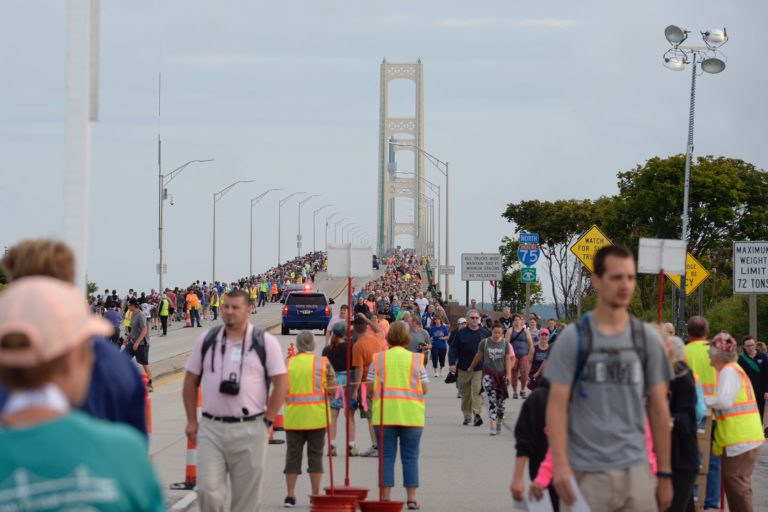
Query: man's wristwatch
[[268, 423]]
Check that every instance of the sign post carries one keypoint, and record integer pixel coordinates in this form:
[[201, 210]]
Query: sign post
[[528, 252], [657, 256], [750, 275]]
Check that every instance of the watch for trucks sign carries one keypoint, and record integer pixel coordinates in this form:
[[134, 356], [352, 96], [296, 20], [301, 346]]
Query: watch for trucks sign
[[750, 267], [481, 267]]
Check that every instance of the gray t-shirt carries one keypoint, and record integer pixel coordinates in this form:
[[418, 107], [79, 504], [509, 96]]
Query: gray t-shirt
[[138, 322], [494, 355], [418, 338], [606, 429]]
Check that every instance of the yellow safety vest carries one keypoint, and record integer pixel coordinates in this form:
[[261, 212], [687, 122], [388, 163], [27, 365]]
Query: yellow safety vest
[[164, 305], [253, 293], [305, 404], [697, 353], [215, 301], [741, 422], [397, 370], [127, 318]]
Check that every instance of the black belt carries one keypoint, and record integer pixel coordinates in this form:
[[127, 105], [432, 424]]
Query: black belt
[[232, 419]]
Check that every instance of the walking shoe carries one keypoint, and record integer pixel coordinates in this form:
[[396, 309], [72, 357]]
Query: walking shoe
[[514, 395], [352, 451], [458, 394], [437, 375], [493, 432], [289, 502], [332, 451], [372, 452], [523, 394], [150, 387], [478, 420], [467, 422]]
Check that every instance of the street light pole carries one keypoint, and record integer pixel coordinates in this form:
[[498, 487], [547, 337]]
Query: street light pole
[[675, 59], [336, 226], [437, 163], [163, 180], [314, 222], [254, 201], [279, 223], [216, 197], [298, 232], [326, 227]]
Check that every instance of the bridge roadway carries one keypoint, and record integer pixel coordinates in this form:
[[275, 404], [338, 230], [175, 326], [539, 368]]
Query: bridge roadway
[[461, 467]]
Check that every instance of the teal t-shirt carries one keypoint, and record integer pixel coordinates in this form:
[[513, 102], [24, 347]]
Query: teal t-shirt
[[76, 463]]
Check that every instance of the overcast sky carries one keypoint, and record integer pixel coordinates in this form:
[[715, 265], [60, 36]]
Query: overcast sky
[[525, 100]]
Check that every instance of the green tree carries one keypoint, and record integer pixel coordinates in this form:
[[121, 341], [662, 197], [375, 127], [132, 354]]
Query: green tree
[[559, 224], [727, 203], [512, 291], [91, 288]]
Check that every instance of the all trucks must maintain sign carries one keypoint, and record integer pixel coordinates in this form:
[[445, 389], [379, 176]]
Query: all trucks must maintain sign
[[528, 275], [587, 246], [481, 267], [750, 267], [695, 274]]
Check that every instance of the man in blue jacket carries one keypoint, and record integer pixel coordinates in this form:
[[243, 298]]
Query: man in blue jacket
[[460, 356]]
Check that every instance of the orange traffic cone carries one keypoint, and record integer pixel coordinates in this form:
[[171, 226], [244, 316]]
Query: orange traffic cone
[[189, 319], [147, 402], [190, 474]]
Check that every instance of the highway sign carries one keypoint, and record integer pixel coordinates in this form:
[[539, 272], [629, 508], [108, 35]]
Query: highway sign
[[529, 251], [165, 268], [658, 254], [447, 269], [750, 267], [695, 274], [587, 246], [481, 267], [528, 275]]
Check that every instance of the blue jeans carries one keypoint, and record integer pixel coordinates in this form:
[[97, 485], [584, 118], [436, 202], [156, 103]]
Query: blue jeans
[[194, 315], [410, 439], [712, 499]]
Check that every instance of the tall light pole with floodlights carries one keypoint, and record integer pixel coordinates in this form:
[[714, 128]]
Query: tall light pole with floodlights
[[326, 227], [443, 168], [216, 198], [254, 201], [710, 60], [163, 180], [280, 222]]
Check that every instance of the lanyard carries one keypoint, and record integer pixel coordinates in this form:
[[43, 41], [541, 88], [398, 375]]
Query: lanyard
[[242, 355], [49, 397]]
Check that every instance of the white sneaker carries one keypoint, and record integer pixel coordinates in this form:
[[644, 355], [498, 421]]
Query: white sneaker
[[437, 375]]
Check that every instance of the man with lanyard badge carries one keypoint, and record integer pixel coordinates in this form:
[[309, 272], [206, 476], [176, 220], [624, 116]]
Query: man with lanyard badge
[[237, 410]]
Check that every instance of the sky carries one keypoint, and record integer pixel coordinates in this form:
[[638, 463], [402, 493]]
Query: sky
[[526, 100]]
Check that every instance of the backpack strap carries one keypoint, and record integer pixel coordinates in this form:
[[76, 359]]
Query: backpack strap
[[583, 349], [208, 343], [259, 346], [638, 339]]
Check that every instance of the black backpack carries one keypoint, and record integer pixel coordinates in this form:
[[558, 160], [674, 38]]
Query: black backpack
[[584, 348], [257, 345]]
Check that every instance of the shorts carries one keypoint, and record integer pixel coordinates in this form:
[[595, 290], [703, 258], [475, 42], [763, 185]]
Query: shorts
[[341, 381], [295, 439], [171, 311], [369, 401], [141, 355], [154, 313]]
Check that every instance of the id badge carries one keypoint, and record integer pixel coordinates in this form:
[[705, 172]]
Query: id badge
[[237, 354]]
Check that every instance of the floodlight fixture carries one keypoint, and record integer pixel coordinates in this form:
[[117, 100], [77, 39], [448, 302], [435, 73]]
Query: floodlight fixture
[[675, 35]]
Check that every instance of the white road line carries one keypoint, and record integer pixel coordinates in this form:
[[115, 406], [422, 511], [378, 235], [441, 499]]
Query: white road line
[[185, 502]]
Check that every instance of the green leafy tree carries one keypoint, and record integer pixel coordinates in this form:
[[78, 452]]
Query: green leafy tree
[[512, 291], [559, 224], [727, 203], [91, 288]]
